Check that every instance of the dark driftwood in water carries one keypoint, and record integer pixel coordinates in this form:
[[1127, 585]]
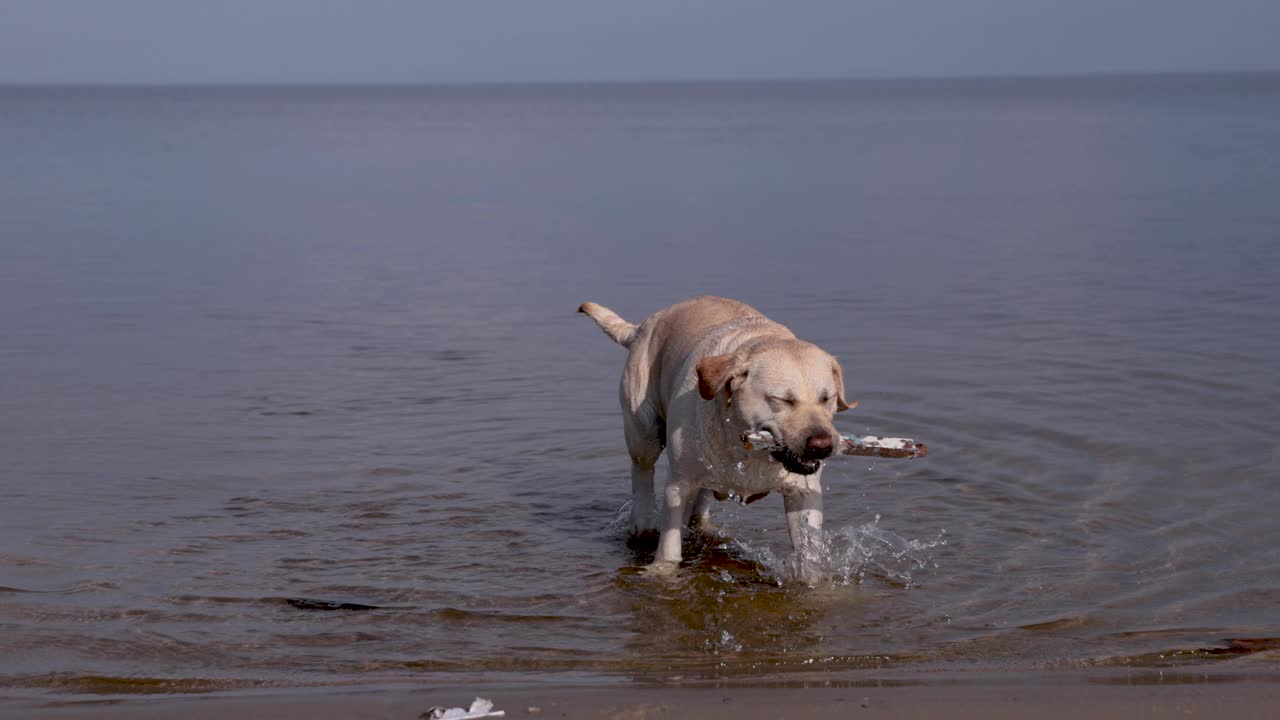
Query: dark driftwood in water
[[867, 445], [308, 604]]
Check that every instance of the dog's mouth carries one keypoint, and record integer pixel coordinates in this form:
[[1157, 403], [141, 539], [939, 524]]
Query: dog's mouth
[[794, 463]]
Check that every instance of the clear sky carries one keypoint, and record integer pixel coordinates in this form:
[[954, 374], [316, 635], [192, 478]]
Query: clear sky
[[565, 40]]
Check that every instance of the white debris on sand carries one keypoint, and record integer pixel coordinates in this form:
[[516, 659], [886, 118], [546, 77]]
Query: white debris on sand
[[481, 708]]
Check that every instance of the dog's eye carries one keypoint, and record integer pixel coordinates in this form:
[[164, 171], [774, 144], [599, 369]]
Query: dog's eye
[[824, 399], [780, 402]]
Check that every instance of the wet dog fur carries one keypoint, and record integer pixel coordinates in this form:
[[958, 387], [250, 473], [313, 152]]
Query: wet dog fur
[[700, 374]]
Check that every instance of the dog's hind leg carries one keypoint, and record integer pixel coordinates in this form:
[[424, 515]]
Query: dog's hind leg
[[702, 511], [644, 509], [644, 435]]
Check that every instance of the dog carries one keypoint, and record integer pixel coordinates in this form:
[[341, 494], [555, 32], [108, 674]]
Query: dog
[[699, 375]]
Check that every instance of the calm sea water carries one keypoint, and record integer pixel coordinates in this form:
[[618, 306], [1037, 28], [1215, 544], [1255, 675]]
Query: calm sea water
[[267, 344]]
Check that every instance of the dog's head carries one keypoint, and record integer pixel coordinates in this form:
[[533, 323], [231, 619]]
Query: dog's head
[[790, 388]]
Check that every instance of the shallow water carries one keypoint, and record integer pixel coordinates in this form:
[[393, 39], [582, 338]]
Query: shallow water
[[271, 344]]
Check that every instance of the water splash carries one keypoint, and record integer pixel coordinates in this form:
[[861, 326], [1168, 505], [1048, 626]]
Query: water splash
[[621, 522], [832, 556], [724, 644], [848, 555]]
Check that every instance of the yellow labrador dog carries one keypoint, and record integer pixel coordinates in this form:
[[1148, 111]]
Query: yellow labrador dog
[[700, 374]]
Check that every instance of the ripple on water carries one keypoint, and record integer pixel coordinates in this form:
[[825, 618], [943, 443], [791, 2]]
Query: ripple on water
[[197, 433]]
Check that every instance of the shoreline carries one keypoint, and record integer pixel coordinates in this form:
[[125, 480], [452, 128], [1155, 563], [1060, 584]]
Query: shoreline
[[991, 697]]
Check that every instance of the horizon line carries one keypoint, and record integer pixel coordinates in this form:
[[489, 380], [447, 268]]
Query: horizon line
[[978, 77]]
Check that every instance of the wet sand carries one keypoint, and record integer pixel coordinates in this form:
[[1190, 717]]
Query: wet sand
[[1042, 699]]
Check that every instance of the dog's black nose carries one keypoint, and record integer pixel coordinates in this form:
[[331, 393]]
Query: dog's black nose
[[818, 446]]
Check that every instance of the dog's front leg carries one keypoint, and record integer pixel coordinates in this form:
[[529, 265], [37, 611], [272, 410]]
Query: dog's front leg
[[679, 496], [802, 500]]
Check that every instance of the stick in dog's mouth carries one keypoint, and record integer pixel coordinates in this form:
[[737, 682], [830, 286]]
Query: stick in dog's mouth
[[868, 445]]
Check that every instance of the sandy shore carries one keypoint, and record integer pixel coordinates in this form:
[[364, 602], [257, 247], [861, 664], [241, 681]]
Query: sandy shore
[[1040, 700]]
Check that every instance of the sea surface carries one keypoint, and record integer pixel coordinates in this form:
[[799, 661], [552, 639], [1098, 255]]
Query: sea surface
[[293, 393]]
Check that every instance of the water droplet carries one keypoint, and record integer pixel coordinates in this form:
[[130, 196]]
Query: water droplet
[[728, 642]]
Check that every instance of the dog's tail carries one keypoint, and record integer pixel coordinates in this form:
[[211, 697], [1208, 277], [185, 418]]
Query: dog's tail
[[614, 326]]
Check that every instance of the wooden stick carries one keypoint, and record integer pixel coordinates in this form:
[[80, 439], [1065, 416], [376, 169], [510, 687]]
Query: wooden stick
[[871, 445]]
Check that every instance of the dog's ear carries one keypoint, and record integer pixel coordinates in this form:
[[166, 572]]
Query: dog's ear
[[716, 372], [841, 403]]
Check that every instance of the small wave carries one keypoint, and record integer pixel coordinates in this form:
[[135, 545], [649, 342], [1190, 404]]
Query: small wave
[[1226, 649], [134, 685]]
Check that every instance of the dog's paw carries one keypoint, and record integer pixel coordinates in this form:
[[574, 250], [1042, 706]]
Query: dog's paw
[[644, 524], [662, 569], [707, 528], [644, 531], [643, 541]]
